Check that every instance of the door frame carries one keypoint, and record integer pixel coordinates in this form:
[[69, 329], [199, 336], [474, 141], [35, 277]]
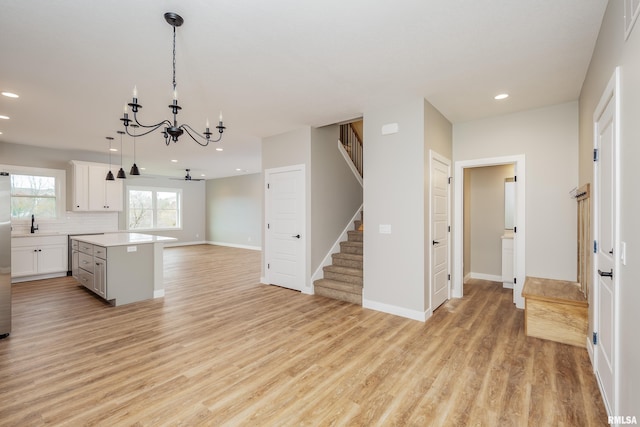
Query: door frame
[[610, 94], [435, 156], [304, 287], [519, 236]]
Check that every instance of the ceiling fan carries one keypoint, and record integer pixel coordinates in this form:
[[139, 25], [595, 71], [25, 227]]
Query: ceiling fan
[[188, 177]]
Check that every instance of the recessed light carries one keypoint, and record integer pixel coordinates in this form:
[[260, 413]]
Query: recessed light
[[174, 161], [143, 169], [238, 169], [4, 117], [202, 174], [113, 149], [218, 149], [501, 96], [0, 133], [10, 95]]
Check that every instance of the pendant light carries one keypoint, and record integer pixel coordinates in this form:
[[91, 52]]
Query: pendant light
[[134, 169], [110, 174], [121, 174]]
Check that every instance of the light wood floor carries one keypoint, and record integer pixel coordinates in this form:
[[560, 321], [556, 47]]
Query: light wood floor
[[221, 349]]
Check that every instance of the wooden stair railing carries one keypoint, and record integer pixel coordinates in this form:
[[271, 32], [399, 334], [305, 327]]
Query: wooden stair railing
[[352, 144]]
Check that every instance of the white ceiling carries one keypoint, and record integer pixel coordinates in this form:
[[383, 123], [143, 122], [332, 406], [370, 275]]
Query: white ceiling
[[274, 66]]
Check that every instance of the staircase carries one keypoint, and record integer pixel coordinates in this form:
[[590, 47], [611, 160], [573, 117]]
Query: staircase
[[343, 278]]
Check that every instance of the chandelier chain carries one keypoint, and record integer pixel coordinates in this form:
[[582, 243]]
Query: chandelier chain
[[174, 58]]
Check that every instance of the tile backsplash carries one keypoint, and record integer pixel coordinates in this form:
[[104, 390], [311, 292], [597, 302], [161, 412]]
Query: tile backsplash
[[73, 223]]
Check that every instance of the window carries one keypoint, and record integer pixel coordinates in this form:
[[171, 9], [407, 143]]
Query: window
[[36, 191], [153, 208]]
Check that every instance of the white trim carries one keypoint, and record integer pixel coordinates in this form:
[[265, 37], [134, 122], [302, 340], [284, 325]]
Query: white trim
[[158, 293], [60, 176], [304, 287], [319, 273], [440, 158], [38, 277], [590, 352], [397, 311], [234, 245], [350, 162], [519, 237], [483, 276], [611, 93]]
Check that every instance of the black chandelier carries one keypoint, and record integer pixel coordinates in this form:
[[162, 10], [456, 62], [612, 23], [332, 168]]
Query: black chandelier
[[172, 130]]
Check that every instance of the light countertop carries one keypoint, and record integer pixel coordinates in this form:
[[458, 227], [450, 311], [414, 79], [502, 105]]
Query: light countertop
[[122, 239]]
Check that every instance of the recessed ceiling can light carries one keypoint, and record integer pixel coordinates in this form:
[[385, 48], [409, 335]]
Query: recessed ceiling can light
[[501, 96], [10, 95], [218, 149], [174, 161], [113, 149], [4, 117]]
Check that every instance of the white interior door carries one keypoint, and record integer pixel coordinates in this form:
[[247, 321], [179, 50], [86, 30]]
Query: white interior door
[[285, 249], [439, 207], [605, 236]]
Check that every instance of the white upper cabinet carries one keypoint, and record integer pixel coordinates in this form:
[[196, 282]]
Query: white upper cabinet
[[91, 191]]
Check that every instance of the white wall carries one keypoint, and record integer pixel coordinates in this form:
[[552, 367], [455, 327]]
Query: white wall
[[548, 137], [234, 210], [612, 50]]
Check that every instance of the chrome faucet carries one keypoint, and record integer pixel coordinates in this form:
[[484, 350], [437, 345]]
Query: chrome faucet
[[34, 228]]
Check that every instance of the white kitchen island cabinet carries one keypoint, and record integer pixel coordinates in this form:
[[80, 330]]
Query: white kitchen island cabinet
[[120, 267]]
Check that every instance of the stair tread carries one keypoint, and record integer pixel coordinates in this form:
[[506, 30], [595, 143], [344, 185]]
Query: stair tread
[[355, 257], [338, 285], [351, 271], [351, 243]]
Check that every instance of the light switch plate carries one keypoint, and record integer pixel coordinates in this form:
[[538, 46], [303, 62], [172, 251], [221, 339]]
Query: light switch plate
[[384, 228], [389, 128], [132, 248]]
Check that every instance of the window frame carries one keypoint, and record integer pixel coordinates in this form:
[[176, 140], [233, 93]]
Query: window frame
[[154, 198], [60, 194]]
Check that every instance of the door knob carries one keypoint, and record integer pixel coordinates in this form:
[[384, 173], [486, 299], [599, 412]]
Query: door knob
[[434, 242], [297, 236], [606, 273]]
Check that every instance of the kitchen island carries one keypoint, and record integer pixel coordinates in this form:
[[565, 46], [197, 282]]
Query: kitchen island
[[120, 267]]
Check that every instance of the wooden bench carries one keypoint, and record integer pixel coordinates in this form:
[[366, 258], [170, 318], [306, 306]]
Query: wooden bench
[[555, 310]]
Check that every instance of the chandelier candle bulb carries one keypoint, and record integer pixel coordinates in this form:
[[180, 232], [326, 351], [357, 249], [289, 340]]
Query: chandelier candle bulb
[[171, 129]]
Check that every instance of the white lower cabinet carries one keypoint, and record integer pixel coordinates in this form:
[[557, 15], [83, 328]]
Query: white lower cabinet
[[38, 255]]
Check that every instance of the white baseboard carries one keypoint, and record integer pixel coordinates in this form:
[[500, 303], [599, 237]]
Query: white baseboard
[[158, 293], [482, 276], [507, 285], [234, 245], [319, 273], [397, 311], [38, 277], [171, 245]]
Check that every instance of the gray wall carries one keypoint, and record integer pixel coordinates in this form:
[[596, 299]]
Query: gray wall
[[612, 50], [438, 137], [487, 218], [234, 210], [333, 193], [336, 194], [548, 137], [396, 193]]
